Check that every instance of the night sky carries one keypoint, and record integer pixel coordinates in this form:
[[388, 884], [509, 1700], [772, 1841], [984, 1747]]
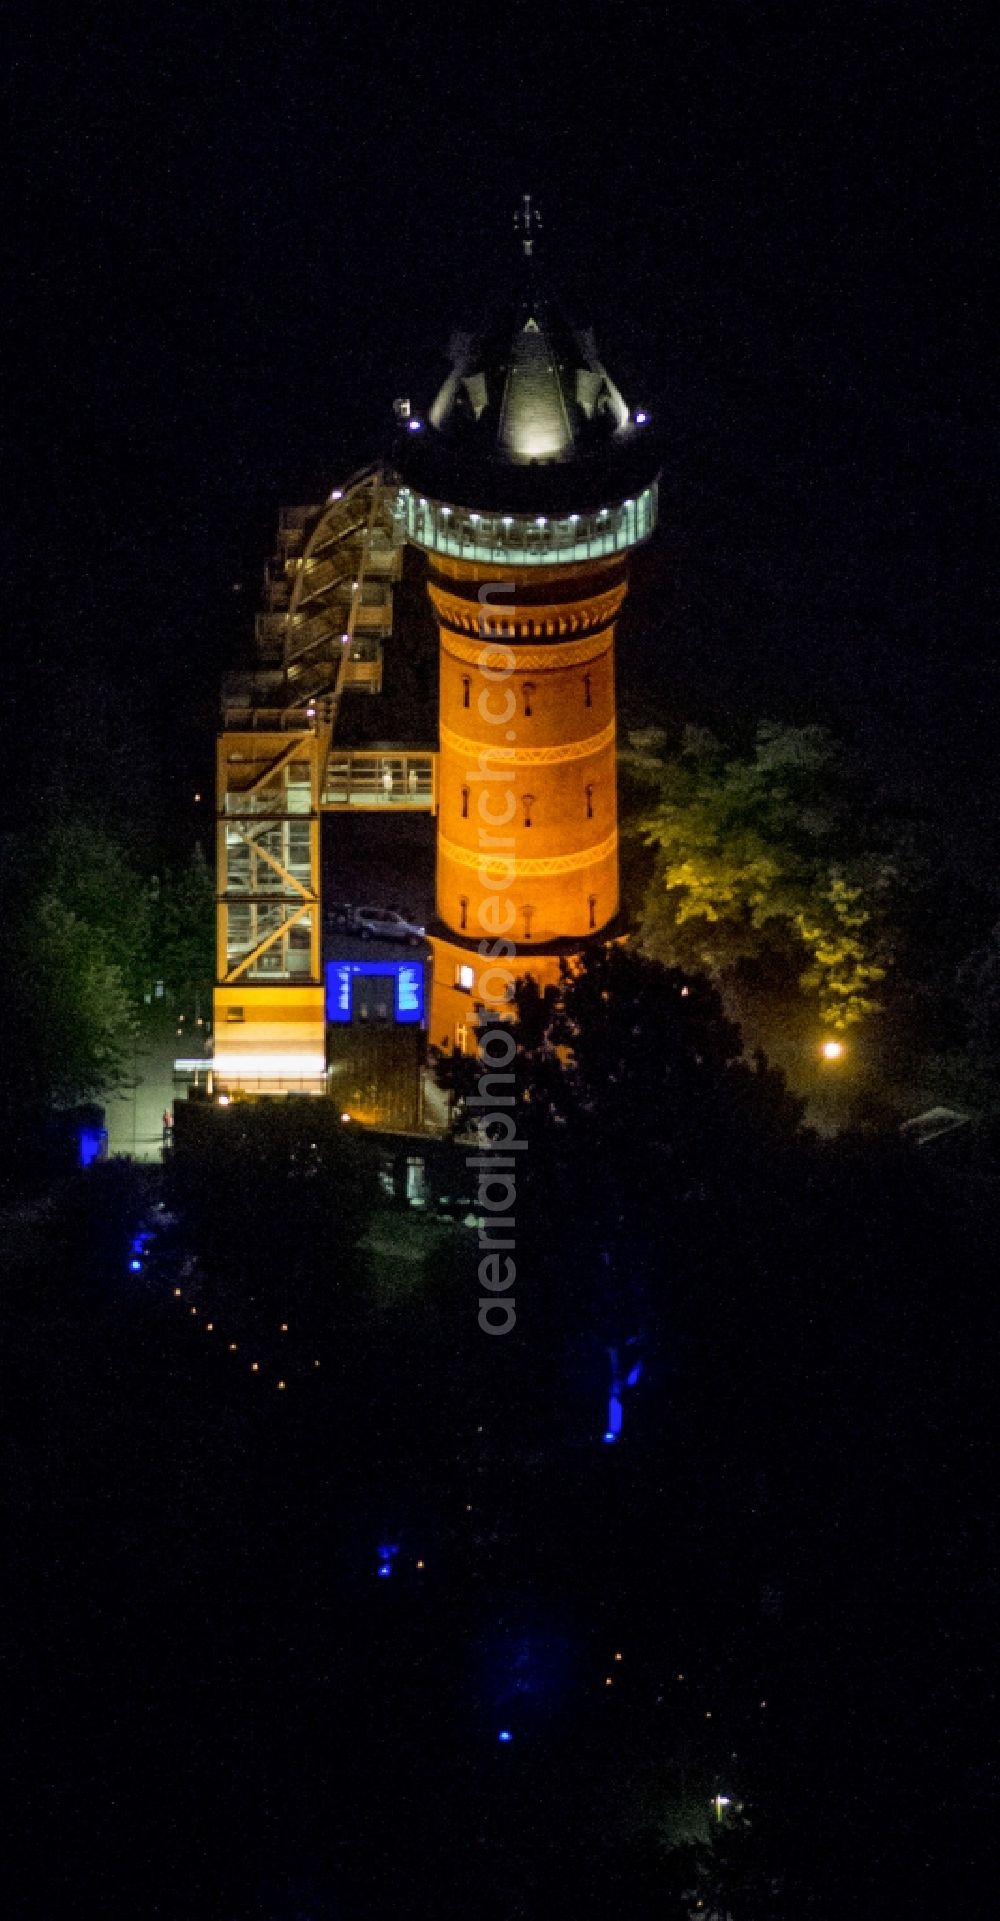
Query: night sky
[[242, 230]]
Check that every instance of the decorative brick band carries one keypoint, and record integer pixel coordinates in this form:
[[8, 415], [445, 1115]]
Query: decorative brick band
[[574, 653], [514, 757], [524, 869], [521, 620]]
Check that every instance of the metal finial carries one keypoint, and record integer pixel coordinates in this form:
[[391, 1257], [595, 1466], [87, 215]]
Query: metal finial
[[528, 223]]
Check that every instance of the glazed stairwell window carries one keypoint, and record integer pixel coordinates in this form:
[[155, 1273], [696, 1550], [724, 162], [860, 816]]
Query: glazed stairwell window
[[589, 798], [528, 808], [465, 803], [528, 697], [466, 690], [588, 692]]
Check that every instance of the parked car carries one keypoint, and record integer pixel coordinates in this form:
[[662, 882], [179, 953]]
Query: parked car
[[383, 923]]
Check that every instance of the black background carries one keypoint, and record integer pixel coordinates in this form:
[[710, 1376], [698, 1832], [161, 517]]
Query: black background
[[245, 229]]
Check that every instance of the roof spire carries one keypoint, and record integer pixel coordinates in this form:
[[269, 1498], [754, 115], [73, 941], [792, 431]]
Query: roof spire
[[528, 223]]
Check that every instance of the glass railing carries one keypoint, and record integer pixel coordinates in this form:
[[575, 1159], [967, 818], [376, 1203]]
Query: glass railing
[[526, 541], [377, 780]]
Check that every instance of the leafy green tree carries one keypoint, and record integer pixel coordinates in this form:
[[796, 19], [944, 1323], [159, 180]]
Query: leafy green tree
[[185, 930], [274, 1196], [74, 962], [640, 1112], [88, 871], [761, 850], [75, 1023]]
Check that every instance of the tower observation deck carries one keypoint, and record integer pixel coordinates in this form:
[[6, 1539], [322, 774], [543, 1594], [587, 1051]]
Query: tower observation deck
[[525, 484]]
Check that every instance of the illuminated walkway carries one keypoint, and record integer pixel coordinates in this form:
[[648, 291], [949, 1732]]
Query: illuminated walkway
[[135, 1113]]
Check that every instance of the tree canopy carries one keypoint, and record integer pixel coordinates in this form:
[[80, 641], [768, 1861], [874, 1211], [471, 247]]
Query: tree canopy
[[184, 930], [641, 1116], [86, 934], [73, 965], [763, 848]]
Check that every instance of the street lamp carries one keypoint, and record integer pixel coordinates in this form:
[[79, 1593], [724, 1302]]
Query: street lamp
[[832, 1050]]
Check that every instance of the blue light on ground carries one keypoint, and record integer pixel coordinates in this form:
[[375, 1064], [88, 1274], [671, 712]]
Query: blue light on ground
[[634, 1376], [136, 1266], [384, 1570], [505, 1735], [609, 1437]]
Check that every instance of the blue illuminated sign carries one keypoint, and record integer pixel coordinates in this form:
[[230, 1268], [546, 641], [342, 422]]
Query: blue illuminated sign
[[408, 988], [338, 991], [409, 991]]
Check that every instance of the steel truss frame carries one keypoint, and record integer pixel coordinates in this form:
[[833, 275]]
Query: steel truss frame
[[278, 725]]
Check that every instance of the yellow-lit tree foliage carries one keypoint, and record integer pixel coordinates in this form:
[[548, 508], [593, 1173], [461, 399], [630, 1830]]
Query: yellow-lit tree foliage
[[762, 849]]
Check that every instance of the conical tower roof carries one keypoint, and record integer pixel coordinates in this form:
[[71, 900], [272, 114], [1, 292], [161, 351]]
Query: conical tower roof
[[527, 386], [529, 417]]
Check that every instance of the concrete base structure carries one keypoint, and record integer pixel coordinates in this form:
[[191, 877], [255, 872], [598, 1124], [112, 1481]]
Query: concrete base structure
[[269, 1040], [464, 983]]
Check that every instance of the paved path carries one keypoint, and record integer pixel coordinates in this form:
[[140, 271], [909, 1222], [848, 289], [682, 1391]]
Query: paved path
[[135, 1114]]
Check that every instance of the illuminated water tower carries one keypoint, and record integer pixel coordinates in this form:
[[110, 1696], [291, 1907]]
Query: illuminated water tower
[[527, 484]]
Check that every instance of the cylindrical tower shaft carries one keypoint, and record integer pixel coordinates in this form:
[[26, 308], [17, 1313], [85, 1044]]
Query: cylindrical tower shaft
[[527, 765]]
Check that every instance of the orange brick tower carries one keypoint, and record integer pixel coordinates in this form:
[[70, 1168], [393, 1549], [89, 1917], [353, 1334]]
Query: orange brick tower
[[527, 485]]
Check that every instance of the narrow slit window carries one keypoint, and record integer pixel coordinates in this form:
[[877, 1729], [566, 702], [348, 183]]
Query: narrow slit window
[[528, 692], [589, 795], [466, 690], [527, 915], [465, 803], [592, 911], [588, 694], [528, 806], [463, 913]]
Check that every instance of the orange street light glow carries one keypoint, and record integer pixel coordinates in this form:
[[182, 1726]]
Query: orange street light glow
[[832, 1050]]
